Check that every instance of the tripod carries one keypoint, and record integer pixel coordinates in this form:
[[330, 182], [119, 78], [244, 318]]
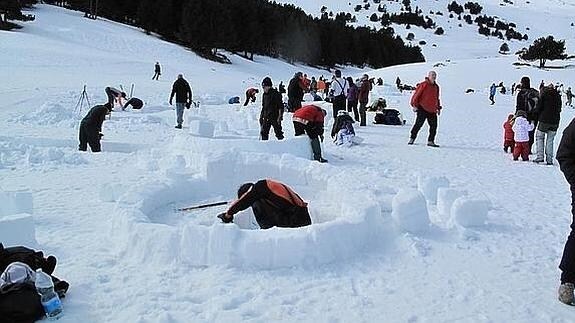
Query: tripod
[[80, 104]]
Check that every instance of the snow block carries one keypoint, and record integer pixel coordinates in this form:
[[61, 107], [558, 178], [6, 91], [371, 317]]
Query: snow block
[[429, 186], [468, 212], [202, 128], [409, 211], [445, 198], [16, 202], [17, 229], [111, 192]]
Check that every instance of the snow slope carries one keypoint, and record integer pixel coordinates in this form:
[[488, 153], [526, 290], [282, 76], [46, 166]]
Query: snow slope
[[383, 247]]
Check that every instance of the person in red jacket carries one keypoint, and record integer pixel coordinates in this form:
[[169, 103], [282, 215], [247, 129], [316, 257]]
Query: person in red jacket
[[309, 119], [274, 204], [251, 95], [425, 102], [508, 134]]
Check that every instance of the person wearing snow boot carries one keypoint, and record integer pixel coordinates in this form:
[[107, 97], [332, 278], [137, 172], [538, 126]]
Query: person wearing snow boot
[[309, 119], [91, 127], [274, 204], [157, 71], [548, 114], [527, 100], [363, 97], [339, 89], [251, 95], [566, 159], [295, 92], [521, 127], [352, 98], [342, 131], [181, 89], [425, 103], [508, 134], [272, 111]]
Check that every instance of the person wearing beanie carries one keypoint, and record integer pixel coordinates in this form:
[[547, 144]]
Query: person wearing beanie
[[91, 127], [272, 111], [274, 204]]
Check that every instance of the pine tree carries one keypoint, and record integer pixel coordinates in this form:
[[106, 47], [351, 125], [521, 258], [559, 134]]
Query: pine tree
[[543, 49]]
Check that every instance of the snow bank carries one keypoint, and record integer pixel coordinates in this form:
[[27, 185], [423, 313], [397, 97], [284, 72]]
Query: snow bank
[[429, 186], [50, 114], [14, 202], [354, 225], [17, 229], [202, 128], [409, 211]]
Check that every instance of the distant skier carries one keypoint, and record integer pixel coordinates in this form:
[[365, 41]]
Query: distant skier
[[157, 71], [527, 99], [548, 115], [566, 159], [310, 120], [181, 89], [273, 204], [339, 88], [508, 134], [91, 127], [363, 98], [426, 104], [295, 92], [135, 103], [114, 95], [352, 98], [521, 128], [251, 95], [272, 111], [492, 91]]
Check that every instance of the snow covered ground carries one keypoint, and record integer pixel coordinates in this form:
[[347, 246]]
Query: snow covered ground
[[401, 233]]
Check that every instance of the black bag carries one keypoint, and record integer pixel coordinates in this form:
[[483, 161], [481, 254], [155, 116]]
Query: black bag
[[20, 303], [34, 259]]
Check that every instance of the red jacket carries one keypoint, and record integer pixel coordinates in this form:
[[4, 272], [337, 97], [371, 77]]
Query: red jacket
[[364, 91], [509, 135], [426, 97], [251, 92], [309, 113]]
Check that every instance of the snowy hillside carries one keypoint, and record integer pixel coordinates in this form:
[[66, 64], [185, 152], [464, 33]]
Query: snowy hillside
[[536, 18], [400, 233]]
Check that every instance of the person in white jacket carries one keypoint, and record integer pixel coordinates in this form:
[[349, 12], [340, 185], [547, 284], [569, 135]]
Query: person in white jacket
[[521, 128]]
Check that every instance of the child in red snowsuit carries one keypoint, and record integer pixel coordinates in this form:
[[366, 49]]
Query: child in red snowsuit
[[508, 135]]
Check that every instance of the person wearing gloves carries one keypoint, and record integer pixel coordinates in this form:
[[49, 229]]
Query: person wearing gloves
[[309, 119], [425, 103], [181, 89], [272, 111]]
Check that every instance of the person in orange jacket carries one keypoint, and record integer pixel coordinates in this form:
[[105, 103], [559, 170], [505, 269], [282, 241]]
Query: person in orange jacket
[[274, 204], [425, 102], [309, 119]]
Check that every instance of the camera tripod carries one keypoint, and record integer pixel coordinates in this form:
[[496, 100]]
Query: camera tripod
[[80, 104]]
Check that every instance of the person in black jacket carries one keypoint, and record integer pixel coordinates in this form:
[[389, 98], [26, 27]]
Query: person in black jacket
[[295, 92], [181, 89], [135, 103], [566, 158], [274, 204], [272, 111], [527, 100], [91, 127], [548, 114], [157, 71]]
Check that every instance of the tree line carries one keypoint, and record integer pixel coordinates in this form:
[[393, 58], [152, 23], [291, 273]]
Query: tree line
[[258, 27]]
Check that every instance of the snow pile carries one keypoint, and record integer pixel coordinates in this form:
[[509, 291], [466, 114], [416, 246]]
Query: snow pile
[[409, 211], [14, 202], [202, 128], [55, 156], [469, 212], [445, 198], [50, 114], [429, 186], [17, 229]]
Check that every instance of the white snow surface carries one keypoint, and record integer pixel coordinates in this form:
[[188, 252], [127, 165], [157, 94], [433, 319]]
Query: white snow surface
[[486, 251]]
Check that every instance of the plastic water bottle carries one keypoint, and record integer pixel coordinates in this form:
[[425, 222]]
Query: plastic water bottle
[[48, 297]]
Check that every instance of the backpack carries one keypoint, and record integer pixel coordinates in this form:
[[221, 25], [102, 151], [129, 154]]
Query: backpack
[[388, 117], [531, 97], [34, 259], [20, 303]]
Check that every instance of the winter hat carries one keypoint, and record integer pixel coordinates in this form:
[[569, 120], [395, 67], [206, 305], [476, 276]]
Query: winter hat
[[244, 189], [267, 82]]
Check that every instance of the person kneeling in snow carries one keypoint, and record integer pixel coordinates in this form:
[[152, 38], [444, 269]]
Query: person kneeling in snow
[[342, 130], [309, 119], [274, 205], [91, 127]]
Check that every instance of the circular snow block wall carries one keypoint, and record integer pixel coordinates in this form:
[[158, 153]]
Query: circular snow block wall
[[345, 223]]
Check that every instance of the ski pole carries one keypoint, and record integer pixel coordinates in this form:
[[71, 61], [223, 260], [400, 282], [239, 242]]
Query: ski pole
[[132, 90], [203, 206]]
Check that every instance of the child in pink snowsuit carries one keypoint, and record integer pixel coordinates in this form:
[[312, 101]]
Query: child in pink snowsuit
[[521, 127]]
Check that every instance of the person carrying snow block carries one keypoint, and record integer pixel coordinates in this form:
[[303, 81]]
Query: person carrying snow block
[[272, 111], [425, 103], [274, 204], [135, 103], [342, 131], [114, 95], [251, 95], [309, 119], [521, 127], [181, 89], [91, 127], [566, 159], [508, 134]]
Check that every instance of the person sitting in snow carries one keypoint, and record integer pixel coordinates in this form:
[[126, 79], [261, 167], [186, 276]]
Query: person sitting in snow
[[274, 204], [135, 103], [251, 95], [508, 134], [91, 127], [521, 128], [309, 119], [342, 131], [114, 95]]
